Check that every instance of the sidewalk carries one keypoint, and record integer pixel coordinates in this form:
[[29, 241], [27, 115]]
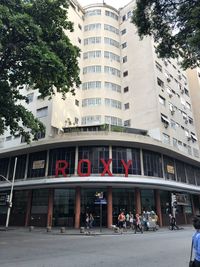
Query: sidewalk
[[91, 232]]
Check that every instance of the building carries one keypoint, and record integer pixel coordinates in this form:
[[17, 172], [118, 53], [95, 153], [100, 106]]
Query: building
[[129, 132]]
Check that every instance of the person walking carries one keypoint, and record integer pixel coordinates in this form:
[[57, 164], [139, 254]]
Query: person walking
[[138, 225], [91, 220], [87, 221], [121, 220], [196, 241]]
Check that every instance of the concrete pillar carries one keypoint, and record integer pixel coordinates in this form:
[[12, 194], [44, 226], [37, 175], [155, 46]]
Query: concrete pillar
[[50, 208], [109, 207], [28, 208], [78, 208], [158, 207], [138, 201], [193, 207]]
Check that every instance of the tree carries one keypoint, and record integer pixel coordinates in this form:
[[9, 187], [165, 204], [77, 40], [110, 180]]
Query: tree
[[174, 26], [34, 52]]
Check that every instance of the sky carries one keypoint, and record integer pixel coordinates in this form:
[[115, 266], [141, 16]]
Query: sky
[[115, 3]]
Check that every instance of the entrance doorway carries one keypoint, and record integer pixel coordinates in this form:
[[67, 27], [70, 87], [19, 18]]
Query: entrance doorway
[[88, 206]]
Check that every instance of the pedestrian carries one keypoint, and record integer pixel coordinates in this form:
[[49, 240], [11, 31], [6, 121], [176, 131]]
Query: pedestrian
[[131, 220], [172, 222], [87, 221], [138, 225], [121, 219], [128, 220], [196, 241], [91, 220]]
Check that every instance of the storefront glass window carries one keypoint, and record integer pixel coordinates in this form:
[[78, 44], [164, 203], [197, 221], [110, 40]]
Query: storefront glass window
[[123, 200], [148, 200], [126, 154], [88, 197], [152, 164], [94, 154], [64, 207], [67, 153]]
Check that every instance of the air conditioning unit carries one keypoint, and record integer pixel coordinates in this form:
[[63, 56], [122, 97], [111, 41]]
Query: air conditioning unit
[[168, 79], [170, 95], [182, 91], [189, 138], [186, 121], [179, 76], [172, 112]]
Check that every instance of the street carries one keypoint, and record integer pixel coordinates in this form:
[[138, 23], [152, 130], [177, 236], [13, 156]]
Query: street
[[164, 248]]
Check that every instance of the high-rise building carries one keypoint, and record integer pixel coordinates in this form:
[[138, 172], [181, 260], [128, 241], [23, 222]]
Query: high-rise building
[[128, 132]]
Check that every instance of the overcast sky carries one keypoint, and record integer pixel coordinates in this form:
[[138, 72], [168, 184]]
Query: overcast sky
[[114, 3]]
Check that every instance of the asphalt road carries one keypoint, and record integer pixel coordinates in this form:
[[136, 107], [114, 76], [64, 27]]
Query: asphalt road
[[20, 248]]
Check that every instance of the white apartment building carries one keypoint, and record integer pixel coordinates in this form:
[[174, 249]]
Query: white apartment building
[[131, 108]]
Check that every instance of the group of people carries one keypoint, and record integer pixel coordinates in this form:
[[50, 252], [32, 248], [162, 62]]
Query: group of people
[[137, 222]]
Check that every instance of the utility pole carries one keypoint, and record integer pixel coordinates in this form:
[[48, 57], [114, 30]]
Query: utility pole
[[11, 194]]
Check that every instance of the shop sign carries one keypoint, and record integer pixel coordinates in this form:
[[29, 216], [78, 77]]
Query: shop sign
[[170, 169], [38, 164], [182, 199], [62, 166]]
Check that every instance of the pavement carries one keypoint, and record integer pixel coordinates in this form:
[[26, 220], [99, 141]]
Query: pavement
[[84, 231]]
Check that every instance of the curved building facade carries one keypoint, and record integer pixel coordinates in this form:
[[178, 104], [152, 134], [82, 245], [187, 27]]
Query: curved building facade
[[56, 182]]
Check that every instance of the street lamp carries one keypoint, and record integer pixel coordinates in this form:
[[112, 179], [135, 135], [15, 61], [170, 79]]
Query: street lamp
[[11, 192]]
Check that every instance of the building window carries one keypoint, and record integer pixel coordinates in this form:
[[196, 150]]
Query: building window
[[124, 45], [30, 98], [39, 135], [76, 102], [124, 18], [111, 42], [160, 82], [111, 14], [186, 91], [92, 54], [89, 120], [126, 89], [76, 120], [125, 73], [92, 27], [37, 164], [92, 69], [79, 40], [80, 27], [91, 85], [9, 138], [158, 66], [94, 12], [92, 40], [91, 102], [152, 164], [113, 103], [166, 139], [124, 60], [123, 32], [113, 86], [110, 28], [42, 112], [112, 71], [113, 120], [127, 123], [111, 56], [161, 100], [126, 106], [126, 154], [94, 154]]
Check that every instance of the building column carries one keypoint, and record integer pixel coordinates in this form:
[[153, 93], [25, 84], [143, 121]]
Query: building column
[[28, 208], [78, 208], [192, 203], [50, 208], [109, 207], [138, 200], [158, 207]]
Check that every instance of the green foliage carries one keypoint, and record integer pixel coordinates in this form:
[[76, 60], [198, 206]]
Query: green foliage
[[174, 26], [34, 51]]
